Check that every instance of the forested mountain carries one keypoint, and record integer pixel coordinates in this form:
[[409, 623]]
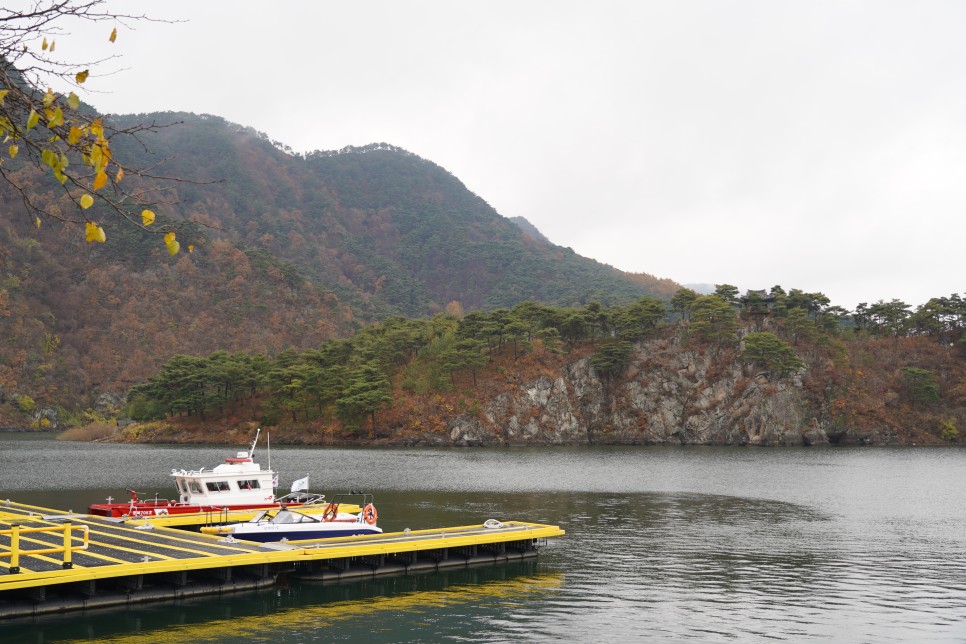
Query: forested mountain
[[399, 232], [288, 251]]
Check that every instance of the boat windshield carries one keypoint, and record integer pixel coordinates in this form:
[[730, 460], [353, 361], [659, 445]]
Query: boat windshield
[[287, 516]]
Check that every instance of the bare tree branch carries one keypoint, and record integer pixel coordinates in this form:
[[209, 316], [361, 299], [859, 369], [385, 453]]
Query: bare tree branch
[[57, 134]]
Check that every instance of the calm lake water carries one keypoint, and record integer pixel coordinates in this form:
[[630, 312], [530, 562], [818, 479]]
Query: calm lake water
[[663, 544]]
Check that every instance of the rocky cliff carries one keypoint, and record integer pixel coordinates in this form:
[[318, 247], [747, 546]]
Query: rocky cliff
[[668, 395]]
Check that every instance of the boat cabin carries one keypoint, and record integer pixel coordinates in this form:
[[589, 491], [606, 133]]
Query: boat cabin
[[237, 481]]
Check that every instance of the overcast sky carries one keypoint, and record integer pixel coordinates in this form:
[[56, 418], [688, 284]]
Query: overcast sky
[[818, 145]]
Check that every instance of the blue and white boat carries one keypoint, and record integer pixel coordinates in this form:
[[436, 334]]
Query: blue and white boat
[[290, 525]]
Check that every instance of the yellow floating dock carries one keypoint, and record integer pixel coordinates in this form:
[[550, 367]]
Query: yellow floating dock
[[51, 561]]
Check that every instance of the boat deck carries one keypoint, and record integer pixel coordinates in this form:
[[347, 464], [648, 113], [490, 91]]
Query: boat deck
[[198, 519], [111, 561]]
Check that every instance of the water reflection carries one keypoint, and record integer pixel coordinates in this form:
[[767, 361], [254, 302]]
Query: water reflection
[[390, 609]]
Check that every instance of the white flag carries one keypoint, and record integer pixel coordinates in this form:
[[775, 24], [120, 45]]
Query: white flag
[[301, 484], [275, 481]]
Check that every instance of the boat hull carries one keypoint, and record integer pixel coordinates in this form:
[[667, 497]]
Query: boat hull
[[147, 509], [265, 537], [268, 533]]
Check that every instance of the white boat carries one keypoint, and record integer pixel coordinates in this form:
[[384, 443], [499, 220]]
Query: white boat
[[287, 524], [237, 484]]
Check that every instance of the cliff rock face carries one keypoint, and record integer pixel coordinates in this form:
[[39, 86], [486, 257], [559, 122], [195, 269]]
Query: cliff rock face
[[666, 396]]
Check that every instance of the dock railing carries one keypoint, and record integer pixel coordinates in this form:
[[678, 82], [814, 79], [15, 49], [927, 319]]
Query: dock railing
[[68, 547]]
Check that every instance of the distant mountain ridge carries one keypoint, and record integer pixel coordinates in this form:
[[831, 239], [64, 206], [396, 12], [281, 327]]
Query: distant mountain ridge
[[529, 229], [386, 217], [289, 251]]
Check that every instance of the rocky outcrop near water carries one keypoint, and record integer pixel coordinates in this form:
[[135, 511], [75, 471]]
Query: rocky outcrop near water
[[667, 395], [668, 390]]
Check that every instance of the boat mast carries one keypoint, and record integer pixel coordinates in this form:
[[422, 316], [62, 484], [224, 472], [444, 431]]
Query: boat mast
[[251, 452]]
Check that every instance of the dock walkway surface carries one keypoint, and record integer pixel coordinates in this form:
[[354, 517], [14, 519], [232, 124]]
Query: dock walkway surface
[[54, 561]]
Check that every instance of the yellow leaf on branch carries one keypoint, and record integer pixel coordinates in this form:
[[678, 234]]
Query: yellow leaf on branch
[[56, 119], [100, 180], [147, 218], [100, 155], [86, 202], [119, 175], [94, 233], [113, 35], [74, 135], [173, 245], [73, 101], [3, 95], [13, 150], [32, 119], [80, 77]]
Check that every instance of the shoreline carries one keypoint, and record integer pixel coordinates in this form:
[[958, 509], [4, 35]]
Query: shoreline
[[192, 438]]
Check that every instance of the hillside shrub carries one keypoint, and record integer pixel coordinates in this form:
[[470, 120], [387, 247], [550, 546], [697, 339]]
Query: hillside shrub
[[921, 384], [948, 430], [89, 433]]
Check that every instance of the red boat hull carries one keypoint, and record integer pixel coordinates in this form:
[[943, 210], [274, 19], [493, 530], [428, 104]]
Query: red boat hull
[[150, 508]]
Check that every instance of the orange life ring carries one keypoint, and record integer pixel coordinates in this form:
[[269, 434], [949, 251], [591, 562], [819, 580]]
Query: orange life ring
[[369, 514], [331, 511]]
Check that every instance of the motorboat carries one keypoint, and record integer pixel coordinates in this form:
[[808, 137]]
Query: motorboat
[[237, 484], [288, 524]]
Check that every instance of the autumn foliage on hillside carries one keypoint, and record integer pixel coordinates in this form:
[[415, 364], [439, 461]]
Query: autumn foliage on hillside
[[278, 251], [89, 326], [372, 296], [406, 380], [914, 386]]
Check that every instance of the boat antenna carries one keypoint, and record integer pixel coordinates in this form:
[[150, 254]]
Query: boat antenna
[[268, 437], [251, 452]]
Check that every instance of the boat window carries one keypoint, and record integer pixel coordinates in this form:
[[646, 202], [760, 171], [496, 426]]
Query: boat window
[[193, 486], [180, 485], [248, 485], [285, 517], [217, 486]]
